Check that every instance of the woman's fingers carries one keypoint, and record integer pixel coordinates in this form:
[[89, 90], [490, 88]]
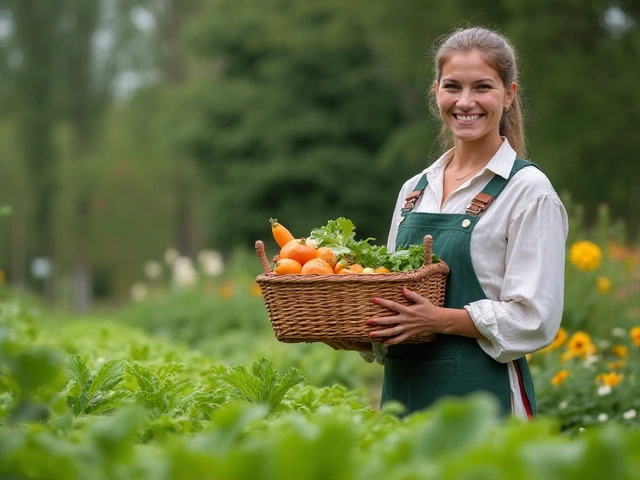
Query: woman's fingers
[[386, 332], [405, 320]]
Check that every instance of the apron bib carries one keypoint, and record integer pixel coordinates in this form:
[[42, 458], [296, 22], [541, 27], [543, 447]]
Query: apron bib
[[417, 375]]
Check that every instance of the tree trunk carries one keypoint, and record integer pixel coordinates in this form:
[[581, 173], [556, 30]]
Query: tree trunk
[[176, 73]]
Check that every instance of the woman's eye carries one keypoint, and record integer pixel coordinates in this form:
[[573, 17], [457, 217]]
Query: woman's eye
[[450, 86], [483, 86]]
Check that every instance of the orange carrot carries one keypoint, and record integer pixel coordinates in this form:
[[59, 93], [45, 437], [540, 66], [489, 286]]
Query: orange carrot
[[280, 233]]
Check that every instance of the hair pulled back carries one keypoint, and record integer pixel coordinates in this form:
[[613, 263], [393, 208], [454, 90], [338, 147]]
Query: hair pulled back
[[501, 56]]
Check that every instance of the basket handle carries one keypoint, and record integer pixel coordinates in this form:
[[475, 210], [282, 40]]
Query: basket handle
[[428, 249], [262, 256]]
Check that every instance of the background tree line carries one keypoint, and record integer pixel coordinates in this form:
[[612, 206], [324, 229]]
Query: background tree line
[[129, 126]]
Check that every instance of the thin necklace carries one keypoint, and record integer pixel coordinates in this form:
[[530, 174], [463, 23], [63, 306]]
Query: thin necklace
[[465, 176]]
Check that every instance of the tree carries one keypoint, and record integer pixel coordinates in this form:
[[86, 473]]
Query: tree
[[33, 46], [583, 98], [289, 120]]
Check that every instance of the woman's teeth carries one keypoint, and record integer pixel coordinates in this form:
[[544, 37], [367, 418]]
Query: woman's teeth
[[467, 118]]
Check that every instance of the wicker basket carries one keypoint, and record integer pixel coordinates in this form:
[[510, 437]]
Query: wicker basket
[[317, 308]]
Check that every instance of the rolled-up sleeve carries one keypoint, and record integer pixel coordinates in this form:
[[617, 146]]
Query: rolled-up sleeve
[[528, 312]]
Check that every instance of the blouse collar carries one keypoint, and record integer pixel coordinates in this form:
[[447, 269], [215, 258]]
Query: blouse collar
[[500, 164]]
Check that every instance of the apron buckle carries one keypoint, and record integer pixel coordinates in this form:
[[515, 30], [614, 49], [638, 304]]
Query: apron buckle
[[479, 203]]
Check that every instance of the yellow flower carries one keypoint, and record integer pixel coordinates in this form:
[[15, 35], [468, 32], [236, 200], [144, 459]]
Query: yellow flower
[[635, 335], [585, 255], [620, 351], [604, 285], [610, 379], [580, 345], [560, 377], [561, 337]]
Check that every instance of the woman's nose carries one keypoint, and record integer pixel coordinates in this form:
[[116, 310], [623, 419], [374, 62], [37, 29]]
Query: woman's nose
[[465, 100]]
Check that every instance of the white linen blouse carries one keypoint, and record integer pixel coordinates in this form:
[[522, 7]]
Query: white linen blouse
[[517, 251]]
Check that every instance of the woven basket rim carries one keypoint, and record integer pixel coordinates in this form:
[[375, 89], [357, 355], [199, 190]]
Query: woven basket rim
[[382, 278]]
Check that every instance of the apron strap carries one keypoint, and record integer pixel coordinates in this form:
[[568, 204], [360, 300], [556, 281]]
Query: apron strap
[[483, 200], [413, 197], [480, 202]]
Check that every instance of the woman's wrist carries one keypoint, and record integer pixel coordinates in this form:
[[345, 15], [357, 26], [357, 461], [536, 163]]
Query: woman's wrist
[[457, 321]]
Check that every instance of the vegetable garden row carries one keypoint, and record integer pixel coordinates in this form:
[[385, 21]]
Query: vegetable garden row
[[190, 383]]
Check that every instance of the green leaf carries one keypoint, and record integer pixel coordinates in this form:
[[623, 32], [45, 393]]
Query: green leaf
[[109, 376], [263, 384], [78, 373]]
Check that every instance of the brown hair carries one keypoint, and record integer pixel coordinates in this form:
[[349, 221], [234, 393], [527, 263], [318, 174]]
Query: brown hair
[[501, 56]]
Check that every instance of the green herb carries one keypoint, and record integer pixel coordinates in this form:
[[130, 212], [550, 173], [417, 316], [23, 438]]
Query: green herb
[[340, 236]]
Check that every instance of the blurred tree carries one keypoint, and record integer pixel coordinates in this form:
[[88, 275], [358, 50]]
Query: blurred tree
[[582, 97], [289, 119], [32, 58], [84, 94], [401, 35], [165, 56]]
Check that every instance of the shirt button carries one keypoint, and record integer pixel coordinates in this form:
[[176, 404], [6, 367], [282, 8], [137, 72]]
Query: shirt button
[[465, 223]]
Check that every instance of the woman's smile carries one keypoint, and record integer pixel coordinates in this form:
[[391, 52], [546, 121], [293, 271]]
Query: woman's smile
[[467, 117], [472, 97]]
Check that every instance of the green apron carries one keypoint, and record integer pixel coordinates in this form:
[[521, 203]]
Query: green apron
[[417, 375]]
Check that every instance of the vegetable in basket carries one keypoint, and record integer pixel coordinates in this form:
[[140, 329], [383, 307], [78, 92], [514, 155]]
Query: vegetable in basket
[[333, 248]]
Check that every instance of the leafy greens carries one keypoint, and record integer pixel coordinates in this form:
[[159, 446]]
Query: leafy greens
[[340, 236]]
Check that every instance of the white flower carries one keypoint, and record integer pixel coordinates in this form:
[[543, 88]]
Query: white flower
[[100, 360], [604, 390], [184, 274], [210, 262], [618, 332], [603, 417], [153, 270], [581, 430], [563, 405], [138, 292], [590, 360], [170, 256], [629, 414]]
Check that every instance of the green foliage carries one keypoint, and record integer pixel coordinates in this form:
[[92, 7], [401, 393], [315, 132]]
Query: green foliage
[[184, 416], [339, 235], [262, 384], [195, 317], [584, 399], [602, 298], [164, 392], [297, 113], [95, 393]]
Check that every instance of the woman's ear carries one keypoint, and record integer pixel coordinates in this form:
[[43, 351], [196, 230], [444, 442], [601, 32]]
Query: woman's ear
[[511, 94]]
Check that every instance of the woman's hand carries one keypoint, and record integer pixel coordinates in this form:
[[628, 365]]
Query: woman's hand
[[419, 318]]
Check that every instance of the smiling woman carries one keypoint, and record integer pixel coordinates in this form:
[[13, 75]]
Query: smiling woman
[[497, 222], [471, 98]]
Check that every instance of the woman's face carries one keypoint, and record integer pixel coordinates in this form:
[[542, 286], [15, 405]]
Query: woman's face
[[471, 97]]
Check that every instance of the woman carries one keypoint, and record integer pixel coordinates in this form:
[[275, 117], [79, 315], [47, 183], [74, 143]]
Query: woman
[[499, 225]]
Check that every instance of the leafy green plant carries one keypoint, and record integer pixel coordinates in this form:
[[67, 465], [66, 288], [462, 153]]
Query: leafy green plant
[[339, 235], [262, 384], [166, 393], [585, 383], [95, 392]]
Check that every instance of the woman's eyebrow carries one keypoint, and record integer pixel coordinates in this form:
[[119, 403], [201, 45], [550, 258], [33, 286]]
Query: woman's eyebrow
[[482, 80]]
